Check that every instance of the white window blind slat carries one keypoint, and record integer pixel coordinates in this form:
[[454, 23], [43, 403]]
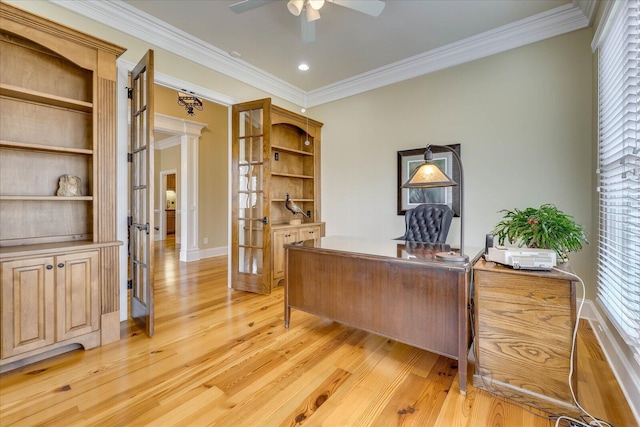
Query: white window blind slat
[[619, 172]]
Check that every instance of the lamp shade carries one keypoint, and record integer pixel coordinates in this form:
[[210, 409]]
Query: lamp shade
[[428, 175]]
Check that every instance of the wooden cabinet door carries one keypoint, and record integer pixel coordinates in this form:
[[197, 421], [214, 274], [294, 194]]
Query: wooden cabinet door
[[28, 305], [77, 295], [171, 222], [171, 182], [310, 232], [281, 238]]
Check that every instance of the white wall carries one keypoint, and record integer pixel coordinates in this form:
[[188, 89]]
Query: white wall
[[523, 119]]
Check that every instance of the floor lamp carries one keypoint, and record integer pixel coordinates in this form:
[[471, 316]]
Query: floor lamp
[[429, 175]]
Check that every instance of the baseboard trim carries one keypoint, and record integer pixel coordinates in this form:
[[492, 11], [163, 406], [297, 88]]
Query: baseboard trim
[[214, 252], [622, 366]]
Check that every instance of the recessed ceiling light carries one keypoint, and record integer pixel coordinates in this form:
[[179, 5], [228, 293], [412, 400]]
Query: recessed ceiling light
[[303, 67]]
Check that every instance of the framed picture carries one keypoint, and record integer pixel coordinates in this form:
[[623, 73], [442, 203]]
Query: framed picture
[[409, 198]]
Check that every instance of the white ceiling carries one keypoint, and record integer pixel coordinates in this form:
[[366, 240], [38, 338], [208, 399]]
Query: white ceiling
[[353, 52]]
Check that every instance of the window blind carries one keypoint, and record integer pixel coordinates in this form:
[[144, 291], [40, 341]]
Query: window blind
[[618, 288]]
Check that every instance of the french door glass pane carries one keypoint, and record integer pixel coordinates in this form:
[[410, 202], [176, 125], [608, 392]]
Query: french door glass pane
[[250, 150], [250, 260], [250, 233], [251, 123], [250, 206]]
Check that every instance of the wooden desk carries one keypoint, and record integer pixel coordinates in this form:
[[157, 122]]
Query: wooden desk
[[385, 287]]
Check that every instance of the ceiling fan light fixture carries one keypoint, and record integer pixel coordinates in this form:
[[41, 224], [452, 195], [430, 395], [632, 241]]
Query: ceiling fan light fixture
[[316, 4], [295, 7], [312, 14]]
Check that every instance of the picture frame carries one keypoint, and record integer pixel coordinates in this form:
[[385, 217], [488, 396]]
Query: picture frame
[[409, 160]]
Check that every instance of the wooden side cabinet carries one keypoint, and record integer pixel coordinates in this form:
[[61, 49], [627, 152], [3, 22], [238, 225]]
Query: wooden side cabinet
[[58, 235], [524, 323], [48, 301], [283, 234]]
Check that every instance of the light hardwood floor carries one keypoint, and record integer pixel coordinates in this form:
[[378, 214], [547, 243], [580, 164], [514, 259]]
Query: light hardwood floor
[[224, 358]]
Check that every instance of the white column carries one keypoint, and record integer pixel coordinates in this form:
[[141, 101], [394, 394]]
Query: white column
[[189, 250]]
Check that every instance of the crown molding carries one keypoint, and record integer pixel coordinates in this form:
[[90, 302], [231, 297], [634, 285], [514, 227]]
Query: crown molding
[[168, 142], [122, 17], [588, 7], [552, 23], [136, 23], [176, 126]]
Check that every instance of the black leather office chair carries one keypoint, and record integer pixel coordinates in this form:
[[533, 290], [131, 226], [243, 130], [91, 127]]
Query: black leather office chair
[[427, 223]]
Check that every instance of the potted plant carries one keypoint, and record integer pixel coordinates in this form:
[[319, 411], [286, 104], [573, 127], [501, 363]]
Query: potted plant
[[546, 227]]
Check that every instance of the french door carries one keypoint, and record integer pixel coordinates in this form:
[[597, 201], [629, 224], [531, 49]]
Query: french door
[[250, 226], [141, 224]]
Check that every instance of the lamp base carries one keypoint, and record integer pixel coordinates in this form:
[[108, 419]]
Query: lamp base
[[452, 257]]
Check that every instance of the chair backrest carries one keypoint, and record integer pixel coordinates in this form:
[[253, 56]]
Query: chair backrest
[[428, 223]]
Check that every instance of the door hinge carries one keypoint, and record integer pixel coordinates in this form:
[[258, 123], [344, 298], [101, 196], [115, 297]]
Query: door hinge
[[129, 284], [129, 158], [129, 221], [129, 92]]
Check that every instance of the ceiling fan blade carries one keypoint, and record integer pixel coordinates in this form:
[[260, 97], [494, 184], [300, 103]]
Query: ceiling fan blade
[[244, 5], [308, 30], [370, 7]]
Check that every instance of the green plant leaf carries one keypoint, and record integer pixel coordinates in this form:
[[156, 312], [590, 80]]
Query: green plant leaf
[[545, 227]]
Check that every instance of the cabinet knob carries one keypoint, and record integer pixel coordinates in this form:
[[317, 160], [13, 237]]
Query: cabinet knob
[[49, 267], [61, 265]]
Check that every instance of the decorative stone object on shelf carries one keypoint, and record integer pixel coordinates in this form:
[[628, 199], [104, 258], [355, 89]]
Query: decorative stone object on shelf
[[69, 185]]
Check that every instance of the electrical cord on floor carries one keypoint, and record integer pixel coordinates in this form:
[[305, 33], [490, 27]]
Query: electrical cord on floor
[[588, 420], [594, 421]]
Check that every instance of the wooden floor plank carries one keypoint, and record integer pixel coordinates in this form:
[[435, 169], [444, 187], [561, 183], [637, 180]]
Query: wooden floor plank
[[224, 358], [421, 400], [302, 406]]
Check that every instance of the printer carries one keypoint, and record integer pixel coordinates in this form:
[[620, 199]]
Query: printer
[[522, 258]]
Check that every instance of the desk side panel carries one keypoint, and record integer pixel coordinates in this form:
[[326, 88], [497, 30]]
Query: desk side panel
[[524, 331]]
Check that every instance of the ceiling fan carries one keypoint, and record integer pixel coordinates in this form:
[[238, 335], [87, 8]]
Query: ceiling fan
[[311, 9]]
